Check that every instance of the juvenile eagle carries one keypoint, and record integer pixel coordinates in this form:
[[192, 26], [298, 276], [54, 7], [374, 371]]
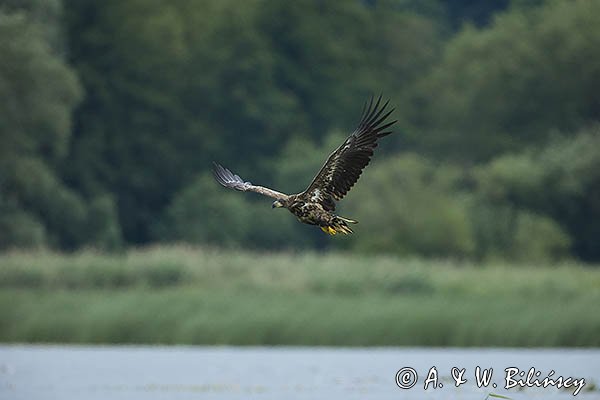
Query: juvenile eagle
[[316, 205]]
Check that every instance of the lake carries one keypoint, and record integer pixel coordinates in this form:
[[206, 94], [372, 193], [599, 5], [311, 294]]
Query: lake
[[30, 372]]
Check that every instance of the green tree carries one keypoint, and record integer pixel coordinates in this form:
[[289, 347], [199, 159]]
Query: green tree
[[500, 88], [410, 205], [560, 181], [129, 128], [38, 92]]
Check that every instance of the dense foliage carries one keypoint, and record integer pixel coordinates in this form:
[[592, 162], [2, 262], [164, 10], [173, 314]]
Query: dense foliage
[[111, 113]]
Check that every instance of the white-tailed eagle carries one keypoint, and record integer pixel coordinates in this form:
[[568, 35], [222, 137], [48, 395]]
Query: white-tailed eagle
[[316, 205]]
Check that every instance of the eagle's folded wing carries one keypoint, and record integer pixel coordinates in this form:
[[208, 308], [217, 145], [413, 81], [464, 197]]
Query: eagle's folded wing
[[230, 180], [344, 166]]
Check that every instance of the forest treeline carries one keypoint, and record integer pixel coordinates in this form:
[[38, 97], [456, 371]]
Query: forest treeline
[[111, 113]]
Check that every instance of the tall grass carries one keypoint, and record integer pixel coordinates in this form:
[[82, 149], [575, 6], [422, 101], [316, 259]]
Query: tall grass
[[203, 296]]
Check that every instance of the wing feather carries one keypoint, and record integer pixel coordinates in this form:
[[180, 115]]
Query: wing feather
[[232, 181], [345, 165]]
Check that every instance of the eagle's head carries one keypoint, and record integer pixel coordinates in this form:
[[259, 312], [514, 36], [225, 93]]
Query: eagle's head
[[277, 204]]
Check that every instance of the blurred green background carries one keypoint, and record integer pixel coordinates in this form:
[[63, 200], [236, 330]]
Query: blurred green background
[[111, 113]]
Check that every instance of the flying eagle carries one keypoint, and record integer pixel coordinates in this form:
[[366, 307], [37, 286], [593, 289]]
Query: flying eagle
[[316, 205]]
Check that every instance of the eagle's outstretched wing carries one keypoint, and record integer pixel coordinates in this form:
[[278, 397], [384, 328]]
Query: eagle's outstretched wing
[[230, 180], [344, 166]]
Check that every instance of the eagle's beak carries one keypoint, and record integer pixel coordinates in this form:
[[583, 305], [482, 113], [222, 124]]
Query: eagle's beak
[[277, 204]]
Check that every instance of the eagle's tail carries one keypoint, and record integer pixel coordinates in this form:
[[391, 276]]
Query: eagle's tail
[[339, 225]]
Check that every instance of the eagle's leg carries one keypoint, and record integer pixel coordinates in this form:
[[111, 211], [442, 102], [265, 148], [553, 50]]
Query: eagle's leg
[[338, 225], [328, 230]]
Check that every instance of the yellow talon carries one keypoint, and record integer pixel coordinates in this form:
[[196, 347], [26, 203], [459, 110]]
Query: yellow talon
[[328, 230]]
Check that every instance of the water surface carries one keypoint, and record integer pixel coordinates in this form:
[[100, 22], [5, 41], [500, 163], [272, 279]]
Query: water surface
[[30, 372]]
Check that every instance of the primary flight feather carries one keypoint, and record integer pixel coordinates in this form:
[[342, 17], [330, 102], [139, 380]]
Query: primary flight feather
[[316, 205]]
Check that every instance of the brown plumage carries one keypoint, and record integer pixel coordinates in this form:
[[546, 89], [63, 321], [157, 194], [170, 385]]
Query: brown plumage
[[316, 205]]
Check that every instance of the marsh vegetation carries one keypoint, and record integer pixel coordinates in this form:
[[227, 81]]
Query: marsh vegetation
[[189, 295]]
